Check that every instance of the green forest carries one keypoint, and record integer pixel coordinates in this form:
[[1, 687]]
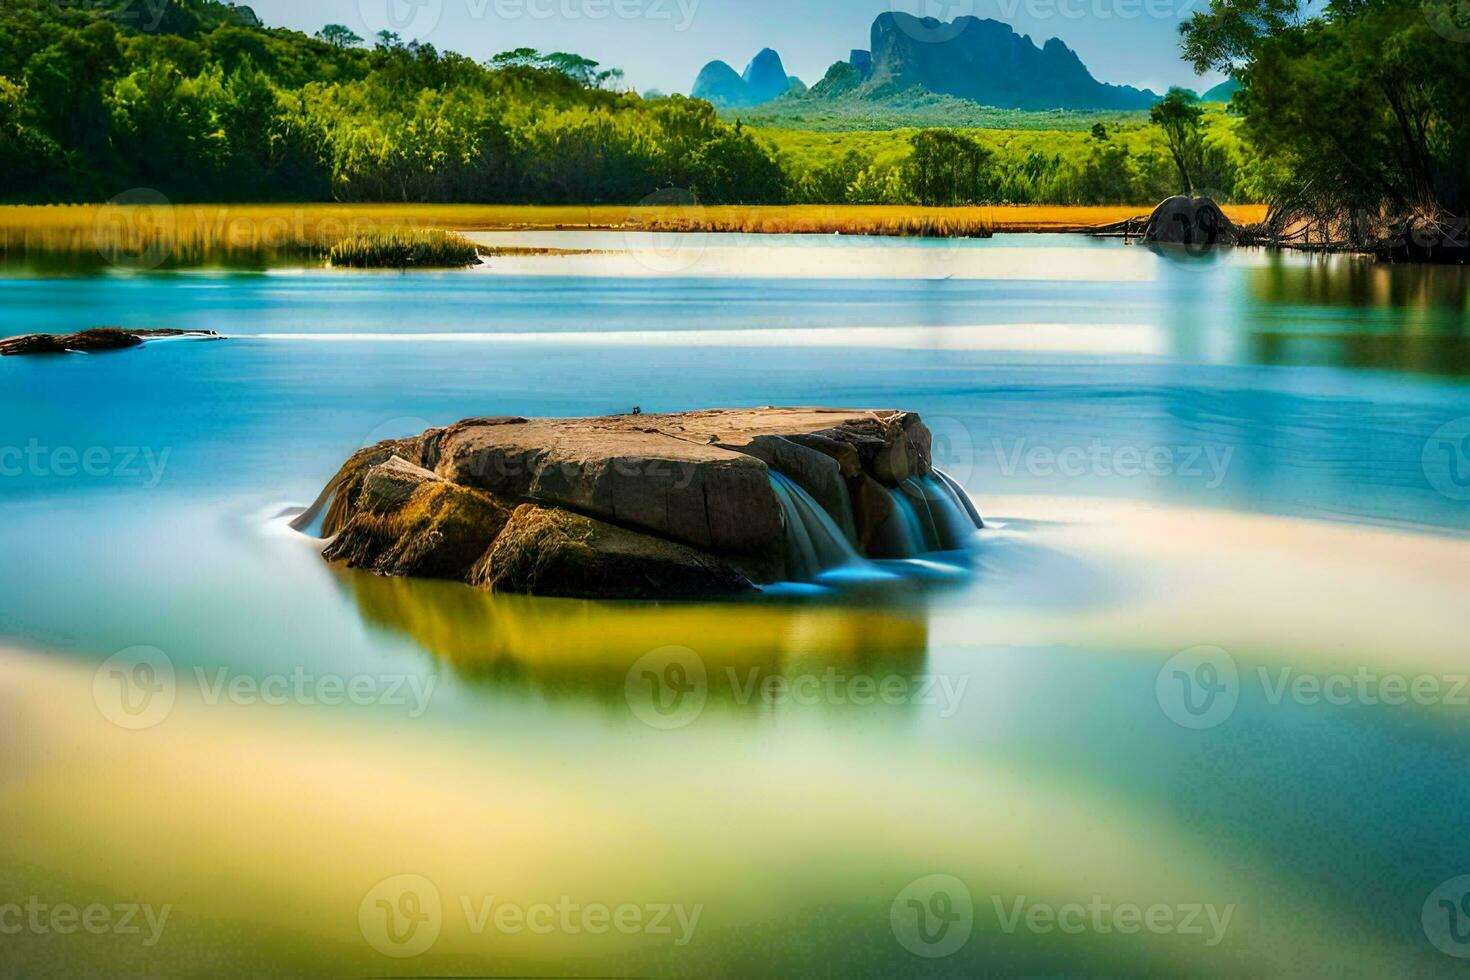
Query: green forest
[[1352, 111]]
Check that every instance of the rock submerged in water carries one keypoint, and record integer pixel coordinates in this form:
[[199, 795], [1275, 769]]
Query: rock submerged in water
[[635, 506], [91, 341], [1183, 220]]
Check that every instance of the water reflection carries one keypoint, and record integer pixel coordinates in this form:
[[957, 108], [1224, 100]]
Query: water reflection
[[1410, 318], [741, 655], [1344, 280]]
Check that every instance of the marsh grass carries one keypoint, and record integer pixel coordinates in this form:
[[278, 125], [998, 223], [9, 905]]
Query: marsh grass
[[404, 248], [151, 236]]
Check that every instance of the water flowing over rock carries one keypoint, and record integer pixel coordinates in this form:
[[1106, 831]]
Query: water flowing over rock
[[650, 506]]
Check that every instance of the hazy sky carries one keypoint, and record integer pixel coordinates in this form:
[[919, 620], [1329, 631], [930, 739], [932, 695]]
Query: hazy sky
[[663, 43]]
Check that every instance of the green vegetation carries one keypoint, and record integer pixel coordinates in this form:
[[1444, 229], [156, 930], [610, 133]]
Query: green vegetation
[[404, 248], [1178, 114], [201, 103], [1121, 163], [206, 105], [1360, 110], [908, 109]]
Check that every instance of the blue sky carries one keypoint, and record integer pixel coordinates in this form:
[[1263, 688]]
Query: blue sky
[[663, 43]]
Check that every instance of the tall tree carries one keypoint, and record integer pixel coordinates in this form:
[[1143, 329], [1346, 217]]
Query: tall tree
[[339, 36], [1178, 114]]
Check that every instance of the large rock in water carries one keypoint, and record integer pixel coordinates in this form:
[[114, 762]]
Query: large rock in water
[[620, 506], [1184, 220]]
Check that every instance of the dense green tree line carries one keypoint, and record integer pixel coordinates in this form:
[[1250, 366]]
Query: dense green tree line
[[1127, 163], [1360, 107], [208, 105], [199, 101]]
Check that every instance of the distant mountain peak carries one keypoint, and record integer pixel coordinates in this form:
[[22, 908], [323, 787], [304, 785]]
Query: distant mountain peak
[[764, 80], [986, 61], [973, 58]]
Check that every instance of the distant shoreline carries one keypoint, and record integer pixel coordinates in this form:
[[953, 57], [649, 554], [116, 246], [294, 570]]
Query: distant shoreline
[[179, 233]]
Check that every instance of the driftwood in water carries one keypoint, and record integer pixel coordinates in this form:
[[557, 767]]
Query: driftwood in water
[[1438, 238], [90, 341]]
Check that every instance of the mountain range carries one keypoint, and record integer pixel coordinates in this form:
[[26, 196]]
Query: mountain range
[[981, 60]]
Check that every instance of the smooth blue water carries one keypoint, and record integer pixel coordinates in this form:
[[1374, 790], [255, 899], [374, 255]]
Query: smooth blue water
[[1290, 386]]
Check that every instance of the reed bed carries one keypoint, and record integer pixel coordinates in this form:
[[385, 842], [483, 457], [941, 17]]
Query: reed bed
[[404, 248], [154, 235]]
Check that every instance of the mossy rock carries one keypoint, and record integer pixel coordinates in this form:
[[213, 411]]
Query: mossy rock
[[552, 552], [413, 523]]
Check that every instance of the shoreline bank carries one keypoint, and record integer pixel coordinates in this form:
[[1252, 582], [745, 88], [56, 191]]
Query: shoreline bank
[[152, 234]]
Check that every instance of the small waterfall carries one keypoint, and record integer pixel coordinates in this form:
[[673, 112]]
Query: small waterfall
[[814, 541], [911, 537], [946, 522], [960, 497]]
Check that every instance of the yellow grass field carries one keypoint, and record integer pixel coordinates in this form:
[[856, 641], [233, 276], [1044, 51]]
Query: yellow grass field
[[189, 233]]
